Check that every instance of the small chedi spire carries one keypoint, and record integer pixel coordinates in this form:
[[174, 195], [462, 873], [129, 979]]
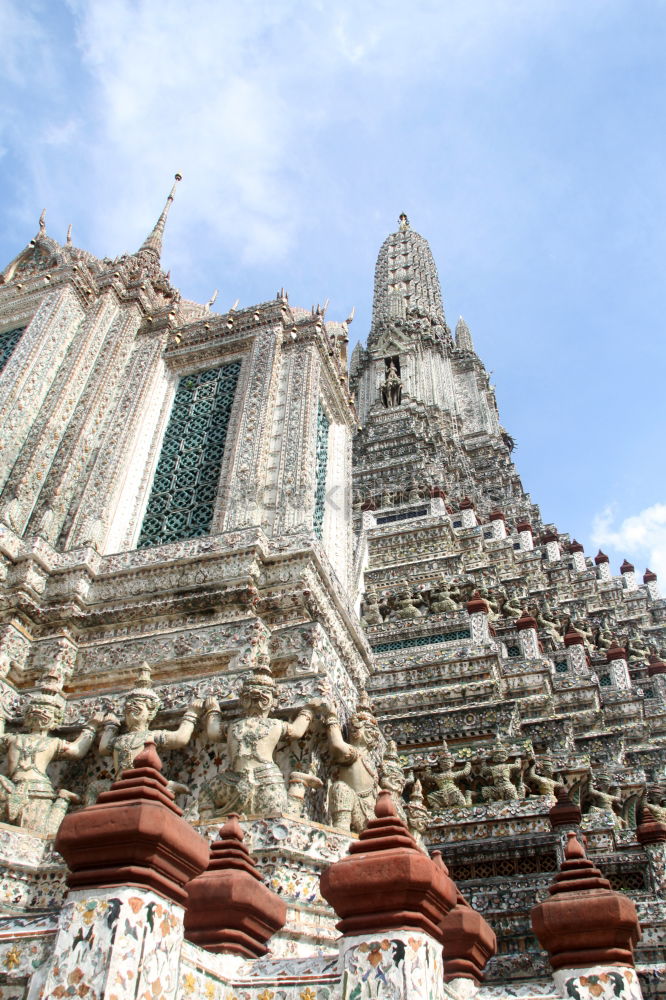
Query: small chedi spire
[[463, 336], [42, 223], [153, 242]]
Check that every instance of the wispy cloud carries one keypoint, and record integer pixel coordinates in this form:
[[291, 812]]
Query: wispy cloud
[[640, 535]]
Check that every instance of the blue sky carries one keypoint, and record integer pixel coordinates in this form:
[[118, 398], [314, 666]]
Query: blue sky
[[524, 138]]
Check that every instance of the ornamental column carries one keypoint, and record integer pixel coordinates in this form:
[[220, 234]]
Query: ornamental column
[[588, 930], [578, 553], [391, 899], [552, 542], [616, 657], [469, 519], [651, 835], [529, 639], [628, 572], [603, 566], [478, 611], [229, 909], [498, 523], [574, 644], [129, 858], [650, 581], [524, 529]]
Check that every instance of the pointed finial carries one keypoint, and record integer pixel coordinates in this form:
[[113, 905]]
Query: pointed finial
[[69, 235], [211, 300], [350, 318], [153, 243], [42, 221], [404, 221]]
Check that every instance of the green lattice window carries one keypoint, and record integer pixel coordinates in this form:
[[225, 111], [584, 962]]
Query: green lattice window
[[420, 640], [8, 342], [323, 424], [561, 667], [182, 500]]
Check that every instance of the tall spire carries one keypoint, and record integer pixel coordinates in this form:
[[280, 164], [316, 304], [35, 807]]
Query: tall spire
[[406, 280], [153, 243]]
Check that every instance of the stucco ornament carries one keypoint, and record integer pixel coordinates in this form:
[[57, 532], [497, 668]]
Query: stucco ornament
[[28, 797], [355, 784], [252, 783], [141, 706], [447, 778], [498, 774]]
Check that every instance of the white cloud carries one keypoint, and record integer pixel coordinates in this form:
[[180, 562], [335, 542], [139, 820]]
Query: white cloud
[[251, 100], [640, 535]]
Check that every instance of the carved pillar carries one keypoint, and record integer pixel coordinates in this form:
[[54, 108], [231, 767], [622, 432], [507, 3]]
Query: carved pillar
[[391, 899], [129, 858], [629, 579], [603, 566], [498, 523], [31, 370], [478, 611], [574, 643], [469, 519], [247, 471], [650, 581], [551, 540], [529, 639], [578, 554], [616, 657], [588, 930], [525, 535], [296, 461]]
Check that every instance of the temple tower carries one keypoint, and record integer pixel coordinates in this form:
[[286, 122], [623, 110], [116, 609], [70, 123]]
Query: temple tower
[[428, 412]]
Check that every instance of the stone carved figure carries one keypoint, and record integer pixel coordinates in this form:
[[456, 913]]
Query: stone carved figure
[[418, 816], [253, 783], [355, 786], [601, 798], [499, 773], [603, 639], [371, 611], [27, 796], [392, 387], [442, 600], [447, 778], [546, 621], [510, 606], [637, 650], [392, 776], [588, 635], [541, 782], [405, 609], [141, 706]]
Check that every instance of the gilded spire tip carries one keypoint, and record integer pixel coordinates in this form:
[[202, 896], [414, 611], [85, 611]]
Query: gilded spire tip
[[404, 221]]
